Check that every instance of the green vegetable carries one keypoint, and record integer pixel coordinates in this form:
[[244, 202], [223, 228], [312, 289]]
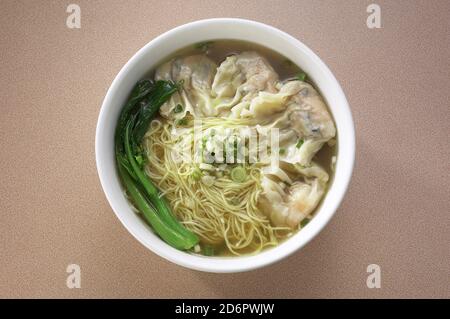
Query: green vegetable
[[169, 235], [204, 46], [196, 174], [178, 108], [301, 76], [149, 106], [282, 151], [304, 222], [122, 163], [152, 192], [204, 140], [300, 143], [208, 250], [141, 89], [182, 122], [132, 125], [238, 174]]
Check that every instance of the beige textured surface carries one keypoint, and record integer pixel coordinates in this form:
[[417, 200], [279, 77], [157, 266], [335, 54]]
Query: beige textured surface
[[53, 211]]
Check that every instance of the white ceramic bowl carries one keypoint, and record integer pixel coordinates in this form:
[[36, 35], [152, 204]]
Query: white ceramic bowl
[[148, 58]]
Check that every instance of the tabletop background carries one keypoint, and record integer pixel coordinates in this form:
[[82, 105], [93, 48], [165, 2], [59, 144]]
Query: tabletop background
[[53, 211]]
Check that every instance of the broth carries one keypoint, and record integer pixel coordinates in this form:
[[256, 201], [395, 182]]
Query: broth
[[217, 51]]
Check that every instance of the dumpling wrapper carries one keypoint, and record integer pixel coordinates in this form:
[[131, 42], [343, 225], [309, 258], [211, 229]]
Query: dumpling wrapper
[[287, 206], [197, 74], [239, 79], [298, 108]]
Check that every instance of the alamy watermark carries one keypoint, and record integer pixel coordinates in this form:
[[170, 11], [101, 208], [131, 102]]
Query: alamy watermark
[[224, 145], [374, 19], [73, 21], [374, 279], [74, 278]]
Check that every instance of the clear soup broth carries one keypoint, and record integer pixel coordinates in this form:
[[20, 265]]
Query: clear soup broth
[[218, 51]]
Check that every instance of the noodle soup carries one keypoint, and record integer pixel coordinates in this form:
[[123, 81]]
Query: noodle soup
[[237, 154]]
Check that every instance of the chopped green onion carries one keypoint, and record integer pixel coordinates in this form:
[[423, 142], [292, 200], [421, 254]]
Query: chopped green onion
[[178, 108], [282, 151], [208, 250], [204, 46], [196, 174], [304, 222], [238, 174], [204, 140], [301, 76], [182, 121], [300, 143]]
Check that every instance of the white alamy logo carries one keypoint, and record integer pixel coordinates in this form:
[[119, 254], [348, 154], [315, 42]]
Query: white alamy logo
[[73, 21], [225, 145], [374, 279], [374, 19], [74, 278]]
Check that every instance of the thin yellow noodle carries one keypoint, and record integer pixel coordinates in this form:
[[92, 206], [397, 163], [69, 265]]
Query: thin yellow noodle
[[225, 213]]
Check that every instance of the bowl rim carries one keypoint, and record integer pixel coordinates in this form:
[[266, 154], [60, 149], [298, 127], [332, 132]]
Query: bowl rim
[[269, 256]]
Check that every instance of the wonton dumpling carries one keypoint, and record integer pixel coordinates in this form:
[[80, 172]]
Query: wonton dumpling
[[164, 72], [287, 208], [303, 199], [289, 205], [259, 74], [305, 108], [311, 120], [240, 78], [273, 202], [309, 114], [314, 170], [278, 172], [266, 104], [197, 73], [228, 78], [296, 107]]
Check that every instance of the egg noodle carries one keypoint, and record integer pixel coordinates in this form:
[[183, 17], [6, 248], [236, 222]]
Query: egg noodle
[[225, 213]]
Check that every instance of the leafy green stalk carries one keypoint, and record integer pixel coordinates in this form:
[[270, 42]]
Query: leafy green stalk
[[161, 92], [145, 101], [140, 90], [169, 235], [160, 204]]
